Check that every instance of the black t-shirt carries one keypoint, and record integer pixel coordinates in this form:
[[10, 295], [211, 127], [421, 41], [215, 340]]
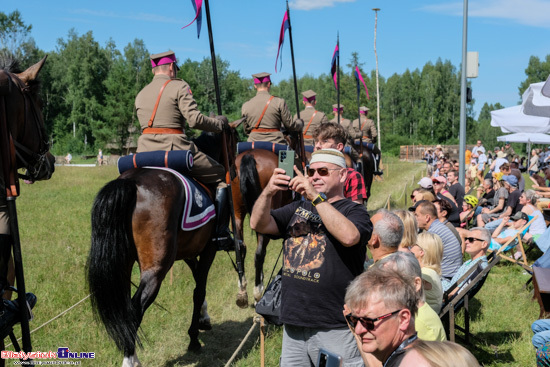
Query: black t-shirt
[[513, 201], [457, 190], [316, 267]]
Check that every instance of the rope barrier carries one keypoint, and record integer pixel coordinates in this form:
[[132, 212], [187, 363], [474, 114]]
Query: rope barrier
[[242, 343]]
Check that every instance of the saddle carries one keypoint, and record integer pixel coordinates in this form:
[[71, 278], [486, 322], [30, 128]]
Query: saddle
[[272, 147]]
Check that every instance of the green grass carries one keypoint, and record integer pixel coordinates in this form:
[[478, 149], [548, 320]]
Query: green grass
[[54, 219]]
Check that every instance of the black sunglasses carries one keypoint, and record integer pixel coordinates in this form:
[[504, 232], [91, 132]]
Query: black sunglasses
[[472, 239], [323, 171], [367, 322]]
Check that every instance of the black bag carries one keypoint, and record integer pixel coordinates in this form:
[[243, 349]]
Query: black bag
[[270, 303]]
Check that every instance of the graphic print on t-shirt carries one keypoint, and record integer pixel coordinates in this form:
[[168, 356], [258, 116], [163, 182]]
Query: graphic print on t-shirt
[[305, 248]]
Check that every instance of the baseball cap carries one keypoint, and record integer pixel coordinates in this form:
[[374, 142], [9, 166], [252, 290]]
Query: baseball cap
[[425, 182], [440, 179], [511, 179], [520, 215], [413, 208]]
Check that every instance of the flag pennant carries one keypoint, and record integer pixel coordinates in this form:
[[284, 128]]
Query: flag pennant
[[359, 77], [284, 27], [333, 67], [197, 5]]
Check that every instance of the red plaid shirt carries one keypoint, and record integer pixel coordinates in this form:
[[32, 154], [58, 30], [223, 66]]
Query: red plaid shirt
[[354, 188]]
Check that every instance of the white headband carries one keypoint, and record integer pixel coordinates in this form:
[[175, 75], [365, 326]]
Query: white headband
[[328, 156]]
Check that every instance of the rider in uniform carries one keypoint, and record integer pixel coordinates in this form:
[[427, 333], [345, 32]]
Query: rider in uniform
[[351, 132], [370, 135], [163, 107], [264, 115], [311, 117]]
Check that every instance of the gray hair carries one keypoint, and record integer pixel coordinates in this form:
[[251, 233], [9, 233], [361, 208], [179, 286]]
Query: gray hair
[[389, 228], [489, 182], [406, 265], [380, 283], [531, 196], [484, 233]]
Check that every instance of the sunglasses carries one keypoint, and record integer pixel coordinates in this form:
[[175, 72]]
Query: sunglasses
[[472, 239], [367, 322], [323, 171]]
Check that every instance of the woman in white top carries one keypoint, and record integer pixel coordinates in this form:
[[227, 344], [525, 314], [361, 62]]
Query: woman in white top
[[528, 199], [429, 252]]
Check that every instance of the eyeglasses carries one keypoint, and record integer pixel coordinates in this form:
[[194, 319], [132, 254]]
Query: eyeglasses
[[412, 246], [472, 239], [437, 183], [323, 171], [412, 197], [367, 322]]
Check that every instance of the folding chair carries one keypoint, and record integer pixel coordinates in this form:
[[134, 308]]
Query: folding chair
[[517, 242], [452, 304]]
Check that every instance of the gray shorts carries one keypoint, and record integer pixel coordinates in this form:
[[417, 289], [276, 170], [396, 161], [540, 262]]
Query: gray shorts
[[301, 346], [487, 217]]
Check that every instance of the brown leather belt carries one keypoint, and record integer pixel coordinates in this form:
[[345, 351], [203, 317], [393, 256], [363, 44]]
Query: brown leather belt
[[262, 130], [161, 130]]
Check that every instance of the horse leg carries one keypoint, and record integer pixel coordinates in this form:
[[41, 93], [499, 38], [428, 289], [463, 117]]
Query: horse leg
[[200, 271], [242, 295], [259, 258]]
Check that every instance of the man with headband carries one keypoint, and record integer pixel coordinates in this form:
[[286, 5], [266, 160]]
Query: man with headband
[[163, 107], [324, 247], [311, 117], [264, 115]]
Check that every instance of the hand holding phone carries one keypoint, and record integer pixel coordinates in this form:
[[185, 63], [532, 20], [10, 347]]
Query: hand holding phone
[[286, 162]]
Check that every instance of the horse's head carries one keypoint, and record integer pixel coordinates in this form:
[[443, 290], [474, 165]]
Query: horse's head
[[24, 122]]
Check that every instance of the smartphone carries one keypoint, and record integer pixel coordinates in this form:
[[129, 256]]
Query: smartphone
[[328, 359], [286, 162]]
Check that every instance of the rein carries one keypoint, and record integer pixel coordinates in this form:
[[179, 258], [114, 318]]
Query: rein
[[15, 151]]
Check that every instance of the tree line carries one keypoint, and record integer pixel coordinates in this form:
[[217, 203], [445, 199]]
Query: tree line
[[88, 93]]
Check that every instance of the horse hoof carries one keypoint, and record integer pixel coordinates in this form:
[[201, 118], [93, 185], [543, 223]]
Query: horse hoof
[[205, 325], [194, 346], [242, 300]]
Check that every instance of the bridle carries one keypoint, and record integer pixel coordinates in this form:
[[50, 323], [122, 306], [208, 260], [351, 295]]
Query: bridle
[[20, 155]]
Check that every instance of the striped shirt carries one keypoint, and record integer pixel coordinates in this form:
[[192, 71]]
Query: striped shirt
[[452, 251]]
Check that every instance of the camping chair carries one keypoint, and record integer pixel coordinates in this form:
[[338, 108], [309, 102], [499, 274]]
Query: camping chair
[[517, 242], [461, 299]]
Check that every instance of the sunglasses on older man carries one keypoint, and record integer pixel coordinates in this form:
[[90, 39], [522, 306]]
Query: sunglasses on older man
[[367, 322], [472, 239], [323, 171]]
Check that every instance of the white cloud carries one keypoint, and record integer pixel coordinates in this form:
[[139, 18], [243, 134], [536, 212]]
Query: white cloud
[[315, 4], [527, 12]]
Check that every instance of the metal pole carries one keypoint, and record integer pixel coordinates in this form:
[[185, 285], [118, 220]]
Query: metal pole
[[338, 75], [377, 83], [462, 135]]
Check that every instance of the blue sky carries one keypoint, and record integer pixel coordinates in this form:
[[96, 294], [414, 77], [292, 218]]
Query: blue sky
[[410, 33]]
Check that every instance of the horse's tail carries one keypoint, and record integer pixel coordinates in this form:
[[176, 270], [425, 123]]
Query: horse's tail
[[109, 262], [249, 182]]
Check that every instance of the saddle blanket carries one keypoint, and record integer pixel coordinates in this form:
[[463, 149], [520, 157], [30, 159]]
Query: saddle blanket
[[272, 147], [179, 160], [198, 208]]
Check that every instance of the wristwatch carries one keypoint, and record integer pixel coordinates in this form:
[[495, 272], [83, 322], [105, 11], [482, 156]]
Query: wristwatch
[[319, 199]]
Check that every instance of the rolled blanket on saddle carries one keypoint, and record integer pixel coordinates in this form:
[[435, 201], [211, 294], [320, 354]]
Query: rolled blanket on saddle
[[272, 147], [178, 160], [311, 148]]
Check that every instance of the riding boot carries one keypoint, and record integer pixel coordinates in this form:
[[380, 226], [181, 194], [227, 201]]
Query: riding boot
[[223, 234], [9, 310], [376, 155]]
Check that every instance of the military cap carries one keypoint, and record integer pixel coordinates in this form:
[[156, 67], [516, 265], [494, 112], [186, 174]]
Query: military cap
[[261, 78], [309, 95], [163, 58], [336, 108], [363, 109]]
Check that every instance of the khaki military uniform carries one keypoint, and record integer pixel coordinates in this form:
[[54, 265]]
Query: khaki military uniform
[[367, 129], [312, 120], [509, 152], [276, 116], [351, 133], [176, 107]]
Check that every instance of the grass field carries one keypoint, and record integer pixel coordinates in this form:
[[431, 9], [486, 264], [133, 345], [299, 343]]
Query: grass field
[[54, 218]]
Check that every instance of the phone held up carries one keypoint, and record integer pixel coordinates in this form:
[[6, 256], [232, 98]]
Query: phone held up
[[328, 359], [286, 161]]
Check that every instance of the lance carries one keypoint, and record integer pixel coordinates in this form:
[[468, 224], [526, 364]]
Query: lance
[[300, 136], [338, 74], [359, 120], [225, 151]]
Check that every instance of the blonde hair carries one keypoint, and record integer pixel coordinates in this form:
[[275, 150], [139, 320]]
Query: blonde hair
[[426, 195], [410, 227], [432, 246], [444, 353]]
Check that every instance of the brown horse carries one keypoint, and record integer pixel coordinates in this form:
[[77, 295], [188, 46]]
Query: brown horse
[[137, 218]]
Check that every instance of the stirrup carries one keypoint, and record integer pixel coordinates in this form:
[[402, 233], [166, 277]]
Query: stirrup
[[10, 315], [224, 240]]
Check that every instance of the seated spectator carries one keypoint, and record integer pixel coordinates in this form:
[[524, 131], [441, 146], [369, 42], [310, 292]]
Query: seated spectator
[[429, 252], [427, 323], [477, 242], [380, 308], [437, 168], [386, 236], [433, 353], [441, 193], [455, 188], [410, 228], [426, 217], [424, 194], [444, 208], [528, 199], [508, 229], [512, 203], [68, 158], [470, 202], [512, 169], [485, 195], [499, 161], [499, 203]]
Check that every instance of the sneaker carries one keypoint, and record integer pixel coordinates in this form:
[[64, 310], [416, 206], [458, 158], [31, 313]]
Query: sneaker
[[518, 255], [10, 316]]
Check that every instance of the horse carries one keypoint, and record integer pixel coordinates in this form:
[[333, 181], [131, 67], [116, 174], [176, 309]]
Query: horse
[[136, 218], [23, 144]]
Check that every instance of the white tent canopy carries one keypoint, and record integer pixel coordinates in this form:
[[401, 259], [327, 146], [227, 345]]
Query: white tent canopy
[[533, 138], [513, 120]]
